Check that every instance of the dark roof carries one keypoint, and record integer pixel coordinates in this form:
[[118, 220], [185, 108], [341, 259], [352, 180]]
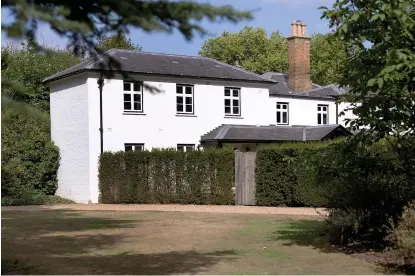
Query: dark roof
[[281, 88], [273, 133], [165, 65]]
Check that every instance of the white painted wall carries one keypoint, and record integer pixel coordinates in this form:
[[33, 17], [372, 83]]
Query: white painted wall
[[69, 130], [75, 121]]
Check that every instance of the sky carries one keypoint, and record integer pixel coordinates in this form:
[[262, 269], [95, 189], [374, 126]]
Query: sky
[[271, 15]]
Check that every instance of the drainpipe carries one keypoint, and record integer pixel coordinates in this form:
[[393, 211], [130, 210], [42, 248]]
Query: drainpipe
[[100, 83], [337, 113]]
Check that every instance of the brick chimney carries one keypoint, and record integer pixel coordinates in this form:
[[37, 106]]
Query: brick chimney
[[299, 58]]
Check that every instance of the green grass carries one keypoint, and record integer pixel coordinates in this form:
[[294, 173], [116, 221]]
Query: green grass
[[105, 242]]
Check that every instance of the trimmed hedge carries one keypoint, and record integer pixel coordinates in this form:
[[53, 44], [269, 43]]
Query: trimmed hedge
[[286, 174], [167, 176]]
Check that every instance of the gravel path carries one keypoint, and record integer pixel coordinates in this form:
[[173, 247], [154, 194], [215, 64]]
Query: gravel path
[[175, 208]]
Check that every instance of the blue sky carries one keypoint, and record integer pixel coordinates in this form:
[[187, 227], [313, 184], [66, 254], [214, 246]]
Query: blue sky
[[272, 15]]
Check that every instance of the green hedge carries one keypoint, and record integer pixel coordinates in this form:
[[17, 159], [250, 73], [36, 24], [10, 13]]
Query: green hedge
[[167, 176], [286, 174]]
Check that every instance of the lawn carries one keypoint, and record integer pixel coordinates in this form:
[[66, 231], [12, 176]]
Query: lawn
[[108, 242]]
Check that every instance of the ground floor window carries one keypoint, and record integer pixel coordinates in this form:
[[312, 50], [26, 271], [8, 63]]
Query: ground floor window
[[185, 147], [133, 147]]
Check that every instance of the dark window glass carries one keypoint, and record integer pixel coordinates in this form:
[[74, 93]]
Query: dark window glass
[[179, 107], [189, 148], [319, 108], [227, 109], [127, 97], [188, 108], [319, 119], [128, 148], [137, 106], [284, 117], [127, 105], [137, 87], [235, 93], [179, 100], [235, 102], [227, 102], [180, 148], [278, 117], [127, 86], [188, 90], [278, 106], [235, 110], [137, 97], [138, 148], [179, 89], [188, 100], [324, 119], [227, 92], [284, 106]]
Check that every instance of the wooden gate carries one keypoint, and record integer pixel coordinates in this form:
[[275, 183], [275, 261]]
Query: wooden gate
[[244, 178]]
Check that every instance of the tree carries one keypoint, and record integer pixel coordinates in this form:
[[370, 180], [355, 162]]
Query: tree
[[253, 50], [23, 66], [381, 71], [119, 42]]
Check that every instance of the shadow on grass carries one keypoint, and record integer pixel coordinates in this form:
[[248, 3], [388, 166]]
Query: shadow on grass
[[66, 242]]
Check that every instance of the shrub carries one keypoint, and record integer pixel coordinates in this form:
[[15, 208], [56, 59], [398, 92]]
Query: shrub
[[402, 236], [286, 175], [366, 187], [29, 158], [167, 176], [30, 196]]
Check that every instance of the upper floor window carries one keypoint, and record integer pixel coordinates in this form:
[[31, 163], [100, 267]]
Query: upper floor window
[[133, 97], [185, 147], [322, 114], [282, 113], [134, 147], [184, 99], [232, 101]]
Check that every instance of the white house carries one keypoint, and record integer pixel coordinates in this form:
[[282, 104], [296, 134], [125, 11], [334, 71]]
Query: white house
[[163, 100]]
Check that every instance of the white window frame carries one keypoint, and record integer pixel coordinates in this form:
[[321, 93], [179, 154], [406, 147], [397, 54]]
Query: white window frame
[[282, 107], [133, 91], [322, 110], [185, 97], [231, 99], [185, 147], [134, 146]]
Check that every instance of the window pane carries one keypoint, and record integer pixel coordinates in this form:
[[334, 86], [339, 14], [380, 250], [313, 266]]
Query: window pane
[[188, 90], [324, 108], [179, 100], [180, 148], [235, 93], [319, 108], [278, 117], [179, 107], [137, 106], [227, 109], [189, 148], [285, 106], [235, 102], [137, 97], [324, 119], [278, 106], [284, 117], [188, 100], [138, 148], [128, 147], [227, 92], [318, 119], [227, 102], [235, 110], [189, 108], [127, 97], [179, 89], [127, 105], [137, 87], [127, 86]]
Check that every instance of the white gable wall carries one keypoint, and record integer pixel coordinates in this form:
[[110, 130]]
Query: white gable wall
[[69, 130]]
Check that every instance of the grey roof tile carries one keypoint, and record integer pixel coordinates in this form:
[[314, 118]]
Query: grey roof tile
[[166, 64], [271, 133]]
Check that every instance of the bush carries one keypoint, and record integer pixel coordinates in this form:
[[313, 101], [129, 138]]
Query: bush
[[29, 158], [402, 236], [286, 175], [366, 187], [167, 176], [29, 196]]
